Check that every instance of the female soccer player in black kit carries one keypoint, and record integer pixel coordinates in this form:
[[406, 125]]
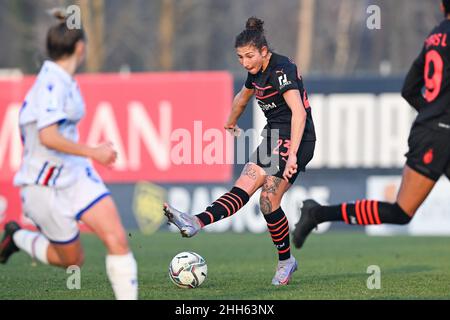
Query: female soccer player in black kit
[[286, 149], [427, 89]]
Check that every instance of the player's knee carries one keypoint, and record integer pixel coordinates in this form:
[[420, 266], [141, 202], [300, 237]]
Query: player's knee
[[75, 260], [401, 216], [116, 243], [247, 184]]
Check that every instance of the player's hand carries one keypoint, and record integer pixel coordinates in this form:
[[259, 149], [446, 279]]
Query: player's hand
[[104, 154], [233, 129], [291, 167]]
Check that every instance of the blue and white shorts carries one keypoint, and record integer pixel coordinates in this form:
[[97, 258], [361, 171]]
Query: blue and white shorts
[[56, 211]]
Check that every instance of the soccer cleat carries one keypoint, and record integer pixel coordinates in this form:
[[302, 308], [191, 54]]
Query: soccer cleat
[[284, 272], [7, 246], [306, 223], [189, 225]]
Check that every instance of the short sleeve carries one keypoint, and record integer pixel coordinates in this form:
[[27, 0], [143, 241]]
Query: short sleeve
[[284, 77], [249, 82], [50, 104]]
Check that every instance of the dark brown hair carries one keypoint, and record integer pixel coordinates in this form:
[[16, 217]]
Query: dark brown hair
[[252, 35], [446, 4], [61, 40]]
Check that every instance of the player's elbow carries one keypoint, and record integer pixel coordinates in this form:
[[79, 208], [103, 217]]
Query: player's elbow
[[45, 140], [406, 94], [299, 114], [409, 93]]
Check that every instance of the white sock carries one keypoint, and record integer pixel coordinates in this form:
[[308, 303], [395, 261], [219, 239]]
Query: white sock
[[33, 243], [122, 273]]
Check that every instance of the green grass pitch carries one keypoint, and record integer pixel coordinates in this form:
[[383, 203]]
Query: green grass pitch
[[241, 266]]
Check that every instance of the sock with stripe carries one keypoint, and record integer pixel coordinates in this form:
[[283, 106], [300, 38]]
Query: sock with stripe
[[224, 207], [33, 243], [363, 212], [278, 226]]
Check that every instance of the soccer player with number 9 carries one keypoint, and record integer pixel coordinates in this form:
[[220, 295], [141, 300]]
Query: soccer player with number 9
[[427, 89]]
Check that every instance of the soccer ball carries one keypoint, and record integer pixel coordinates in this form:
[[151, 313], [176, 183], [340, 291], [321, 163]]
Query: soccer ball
[[188, 270]]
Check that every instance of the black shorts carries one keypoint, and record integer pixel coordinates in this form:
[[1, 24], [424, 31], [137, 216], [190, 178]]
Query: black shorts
[[273, 155], [429, 152]]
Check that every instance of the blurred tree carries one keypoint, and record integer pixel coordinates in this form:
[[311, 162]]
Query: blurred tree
[[166, 35], [92, 16], [342, 40], [327, 37], [305, 34], [16, 46]]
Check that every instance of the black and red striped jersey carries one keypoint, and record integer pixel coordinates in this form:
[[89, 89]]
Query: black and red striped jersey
[[280, 76], [427, 84]]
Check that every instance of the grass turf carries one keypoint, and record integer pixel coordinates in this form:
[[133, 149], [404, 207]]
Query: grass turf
[[241, 266]]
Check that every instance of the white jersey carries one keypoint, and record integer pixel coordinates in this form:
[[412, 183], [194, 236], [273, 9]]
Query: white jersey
[[53, 98]]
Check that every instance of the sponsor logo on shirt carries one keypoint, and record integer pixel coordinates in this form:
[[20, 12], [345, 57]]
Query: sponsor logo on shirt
[[266, 107]]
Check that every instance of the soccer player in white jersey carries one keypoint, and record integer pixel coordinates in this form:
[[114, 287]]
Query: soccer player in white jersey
[[58, 185]]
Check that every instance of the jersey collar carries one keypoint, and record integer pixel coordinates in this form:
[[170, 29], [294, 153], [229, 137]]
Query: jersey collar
[[50, 66]]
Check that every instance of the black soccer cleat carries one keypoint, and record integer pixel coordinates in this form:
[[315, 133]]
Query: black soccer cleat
[[306, 223], [7, 246]]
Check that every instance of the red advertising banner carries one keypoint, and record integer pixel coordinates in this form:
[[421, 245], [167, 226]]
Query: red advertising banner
[[166, 127]]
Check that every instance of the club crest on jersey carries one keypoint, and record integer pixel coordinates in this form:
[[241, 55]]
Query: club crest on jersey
[[428, 157]]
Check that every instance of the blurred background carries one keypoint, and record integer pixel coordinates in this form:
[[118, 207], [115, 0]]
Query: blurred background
[[155, 66], [325, 37]]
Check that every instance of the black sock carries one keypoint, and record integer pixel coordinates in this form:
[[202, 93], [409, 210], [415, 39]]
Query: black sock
[[279, 231], [363, 212], [225, 206]]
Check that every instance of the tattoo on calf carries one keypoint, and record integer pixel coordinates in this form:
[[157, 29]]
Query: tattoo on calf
[[271, 185], [265, 205]]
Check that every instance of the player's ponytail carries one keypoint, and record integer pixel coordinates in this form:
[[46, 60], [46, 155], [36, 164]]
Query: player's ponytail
[[61, 40], [252, 35]]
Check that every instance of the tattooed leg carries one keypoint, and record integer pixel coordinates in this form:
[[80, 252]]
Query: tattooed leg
[[272, 192], [251, 179]]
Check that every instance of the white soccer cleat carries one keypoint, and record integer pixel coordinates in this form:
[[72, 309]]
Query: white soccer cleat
[[284, 272], [189, 225]]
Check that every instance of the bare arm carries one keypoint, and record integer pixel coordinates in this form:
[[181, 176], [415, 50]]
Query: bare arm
[[298, 121], [52, 139], [240, 101]]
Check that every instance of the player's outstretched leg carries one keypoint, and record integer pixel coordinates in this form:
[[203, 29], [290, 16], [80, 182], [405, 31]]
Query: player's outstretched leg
[[361, 212], [7, 245], [414, 189], [188, 224], [224, 207], [306, 223]]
